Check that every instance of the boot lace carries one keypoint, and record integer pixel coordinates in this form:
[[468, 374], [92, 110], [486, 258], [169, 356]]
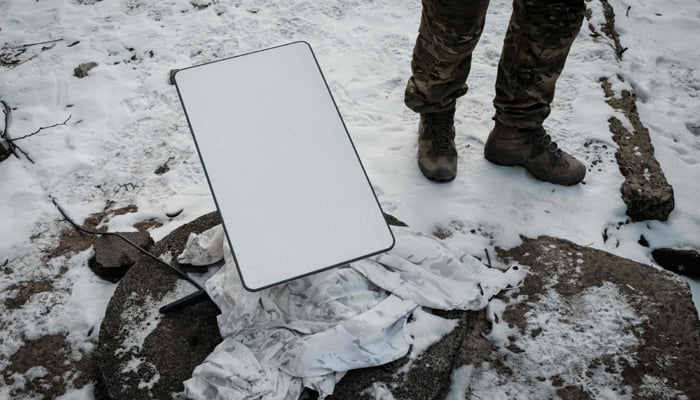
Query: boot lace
[[442, 145], [544, 143], [439, 130]]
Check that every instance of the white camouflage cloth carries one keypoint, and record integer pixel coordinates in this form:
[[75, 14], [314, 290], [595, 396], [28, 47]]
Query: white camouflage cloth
[[308, 332]]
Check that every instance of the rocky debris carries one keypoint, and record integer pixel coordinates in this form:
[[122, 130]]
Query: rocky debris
[[142, 354], [682, 261], [608, 28], [645, 191], [81, 71], [113, 256]]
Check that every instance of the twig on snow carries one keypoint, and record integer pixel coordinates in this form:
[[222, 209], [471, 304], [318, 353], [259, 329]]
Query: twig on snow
[[5, 133], [40, 129], [36, 44], [23, 48]]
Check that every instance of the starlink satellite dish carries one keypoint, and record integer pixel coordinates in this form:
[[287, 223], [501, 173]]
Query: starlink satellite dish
[[287, 180]]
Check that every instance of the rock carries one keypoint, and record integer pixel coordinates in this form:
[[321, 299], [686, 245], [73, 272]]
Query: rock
[[142, 354], [645, 191], [658, 356], [682, 261], [391, 220], [429, 376], [81, 71], [113, 257], [630, 326]]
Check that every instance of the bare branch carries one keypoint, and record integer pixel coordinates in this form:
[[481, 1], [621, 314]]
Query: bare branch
[[11, 64], [23, 152], [40, 129], [129, 187], [36, 44], [6, 110], [5, 133]]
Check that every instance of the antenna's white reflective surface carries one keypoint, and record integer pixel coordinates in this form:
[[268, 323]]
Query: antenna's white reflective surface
[[292, 194]]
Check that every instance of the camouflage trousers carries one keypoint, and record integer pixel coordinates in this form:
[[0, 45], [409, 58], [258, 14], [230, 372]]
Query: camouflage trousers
[[536, 45]]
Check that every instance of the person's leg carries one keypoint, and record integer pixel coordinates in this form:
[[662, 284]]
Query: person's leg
[[448, 33], [535, 49]]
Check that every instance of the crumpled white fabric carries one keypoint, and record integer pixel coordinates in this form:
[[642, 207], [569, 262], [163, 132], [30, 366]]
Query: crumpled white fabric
[[308, 332]]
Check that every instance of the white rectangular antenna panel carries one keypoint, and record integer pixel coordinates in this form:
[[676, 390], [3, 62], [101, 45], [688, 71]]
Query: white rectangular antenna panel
[[287, 180]]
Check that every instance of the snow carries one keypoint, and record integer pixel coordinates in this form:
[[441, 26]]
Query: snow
[[598, 323], [426, 329], [126, 121]]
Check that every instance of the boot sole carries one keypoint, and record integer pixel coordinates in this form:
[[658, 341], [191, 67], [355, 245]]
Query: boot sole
[[435, 178]]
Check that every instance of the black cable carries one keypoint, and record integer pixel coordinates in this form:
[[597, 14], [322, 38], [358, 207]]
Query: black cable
[[182, 274]]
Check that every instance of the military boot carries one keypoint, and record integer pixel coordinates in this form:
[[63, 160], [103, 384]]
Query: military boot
[[437, 155], [534, 150]]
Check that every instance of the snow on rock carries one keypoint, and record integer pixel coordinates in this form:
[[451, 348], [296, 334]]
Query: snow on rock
[[586, 324]]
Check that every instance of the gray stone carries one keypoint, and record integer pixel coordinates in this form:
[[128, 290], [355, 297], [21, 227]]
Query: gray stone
[[645, 191], [682, 261], [670, 330], [136, 364], [667, 339], [113, 257], [81, 71]]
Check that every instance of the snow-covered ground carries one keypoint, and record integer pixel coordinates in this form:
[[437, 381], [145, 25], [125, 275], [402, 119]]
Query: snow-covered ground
[[126, 121]]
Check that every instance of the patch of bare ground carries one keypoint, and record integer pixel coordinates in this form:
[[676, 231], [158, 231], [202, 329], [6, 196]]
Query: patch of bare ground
[[147, 224], [47, 367], [24, 291]]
